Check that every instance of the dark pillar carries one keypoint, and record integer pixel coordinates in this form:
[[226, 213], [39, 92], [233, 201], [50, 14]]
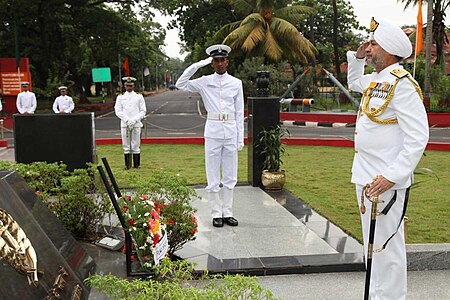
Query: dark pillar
[[263, 112]]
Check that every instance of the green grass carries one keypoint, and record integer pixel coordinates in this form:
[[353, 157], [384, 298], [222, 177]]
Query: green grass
[[320, 176]]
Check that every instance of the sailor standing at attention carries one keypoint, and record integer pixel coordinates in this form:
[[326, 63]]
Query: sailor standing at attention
[[390, 136], [223, 97], [26, 101], [63, 104], [130, 108]]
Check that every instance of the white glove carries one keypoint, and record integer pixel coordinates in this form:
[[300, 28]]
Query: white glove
[[240, 146], [204, 62]]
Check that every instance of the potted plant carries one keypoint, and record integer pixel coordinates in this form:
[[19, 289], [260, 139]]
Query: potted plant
[[272, 149]]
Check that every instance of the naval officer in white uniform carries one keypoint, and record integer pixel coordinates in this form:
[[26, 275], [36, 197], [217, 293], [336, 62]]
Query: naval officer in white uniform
[[26, 101], [390, 138], [222, 95], [130, 108], [63, 104]]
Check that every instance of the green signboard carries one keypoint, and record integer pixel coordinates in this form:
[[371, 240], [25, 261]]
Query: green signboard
[[101, 74]]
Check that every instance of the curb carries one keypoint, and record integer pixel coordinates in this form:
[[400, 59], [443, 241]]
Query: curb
[[316, 124], [422, 257]]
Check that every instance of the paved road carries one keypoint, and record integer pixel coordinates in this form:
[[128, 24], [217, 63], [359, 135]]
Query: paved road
[[181, 114]]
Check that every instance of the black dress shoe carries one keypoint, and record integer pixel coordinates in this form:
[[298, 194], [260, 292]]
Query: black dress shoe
[[217, 222], [230, 221]]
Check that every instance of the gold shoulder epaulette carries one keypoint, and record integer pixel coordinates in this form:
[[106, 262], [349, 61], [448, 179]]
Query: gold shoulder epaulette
[[399, 73]]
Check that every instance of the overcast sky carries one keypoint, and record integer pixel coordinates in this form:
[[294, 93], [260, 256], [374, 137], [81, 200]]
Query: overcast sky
[[363, 9]]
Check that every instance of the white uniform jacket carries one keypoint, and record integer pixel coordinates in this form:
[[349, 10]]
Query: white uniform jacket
[[26, 102], [390, 150], [63, 103], [221, 94], [130, 107]]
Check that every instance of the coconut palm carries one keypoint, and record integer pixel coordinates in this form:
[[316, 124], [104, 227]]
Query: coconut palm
[[439, 36], [268, 30]]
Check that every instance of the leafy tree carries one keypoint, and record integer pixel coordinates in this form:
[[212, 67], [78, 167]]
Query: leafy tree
[[66, 39], [439, 36], [331, 30], [268, 30]]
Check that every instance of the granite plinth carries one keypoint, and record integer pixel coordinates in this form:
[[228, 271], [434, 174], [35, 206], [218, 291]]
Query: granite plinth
[[62, 264], [270, 239]]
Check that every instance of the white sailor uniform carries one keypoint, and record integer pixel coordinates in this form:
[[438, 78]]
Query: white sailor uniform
[[130, 108], [393, 150], [63, 104], [223, 98], [26, 102]]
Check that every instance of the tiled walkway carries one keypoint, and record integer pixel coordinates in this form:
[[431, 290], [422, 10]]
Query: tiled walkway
[[277, 234]]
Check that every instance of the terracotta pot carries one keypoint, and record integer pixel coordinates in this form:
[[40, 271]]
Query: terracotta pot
[[273, 180]]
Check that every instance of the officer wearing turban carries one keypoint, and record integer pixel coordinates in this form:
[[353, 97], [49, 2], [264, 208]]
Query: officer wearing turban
[[130, 108], [26, 101], [63, 104], [223, 97], [390, 138]]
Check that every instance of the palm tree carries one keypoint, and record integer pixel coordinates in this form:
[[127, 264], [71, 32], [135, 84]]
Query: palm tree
[[439, 36], [268, 30]]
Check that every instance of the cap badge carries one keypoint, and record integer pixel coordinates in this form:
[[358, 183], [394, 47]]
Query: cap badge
[[373, 24]]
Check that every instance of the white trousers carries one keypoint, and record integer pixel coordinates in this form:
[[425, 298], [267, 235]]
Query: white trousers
[[221, 159], [131, 141], [388, 276]]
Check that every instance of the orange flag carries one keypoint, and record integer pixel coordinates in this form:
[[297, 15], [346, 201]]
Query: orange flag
[[419, 29], [126, 66]]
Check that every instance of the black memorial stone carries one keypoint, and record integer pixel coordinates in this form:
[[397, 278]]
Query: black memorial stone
[[263, 112], [51, 138], [62, 264]]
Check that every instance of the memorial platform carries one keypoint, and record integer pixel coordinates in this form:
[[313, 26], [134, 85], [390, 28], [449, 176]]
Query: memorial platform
[[277, 234]]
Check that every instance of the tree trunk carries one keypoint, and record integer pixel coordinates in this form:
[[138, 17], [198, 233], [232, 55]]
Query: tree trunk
[[335, 40], [439, 38], [429, 42]]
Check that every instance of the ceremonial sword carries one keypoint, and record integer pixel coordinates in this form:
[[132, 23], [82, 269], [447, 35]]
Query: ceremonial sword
[[373, 219]]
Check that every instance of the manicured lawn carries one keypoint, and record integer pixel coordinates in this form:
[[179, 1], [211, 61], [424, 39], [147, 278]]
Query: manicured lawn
[[320, 176]]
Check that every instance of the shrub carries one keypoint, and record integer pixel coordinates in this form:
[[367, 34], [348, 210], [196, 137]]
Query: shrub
[[175, 280], [78, 205], [76, 198]]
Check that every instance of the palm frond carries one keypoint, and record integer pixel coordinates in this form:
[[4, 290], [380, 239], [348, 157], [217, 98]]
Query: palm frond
[[226, 29], [253, 18], [295, 13], [290, 35], [256, 36], [237, 37], [265, 4], [271, 48], [242, 7]]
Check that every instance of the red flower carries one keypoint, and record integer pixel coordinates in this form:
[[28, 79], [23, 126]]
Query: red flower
[[125, 207], [144, 197], [171, 221], [155, 215], [132, 223], [159, 207], [155, 239], [194, 219]]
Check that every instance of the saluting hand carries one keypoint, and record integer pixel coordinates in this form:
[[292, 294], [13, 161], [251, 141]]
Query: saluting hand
[[205, 62], [361, 52]]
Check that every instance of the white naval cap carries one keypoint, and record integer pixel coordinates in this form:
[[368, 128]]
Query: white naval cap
[[129, 80], [390, 37], [218, 50], [62, 88]]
